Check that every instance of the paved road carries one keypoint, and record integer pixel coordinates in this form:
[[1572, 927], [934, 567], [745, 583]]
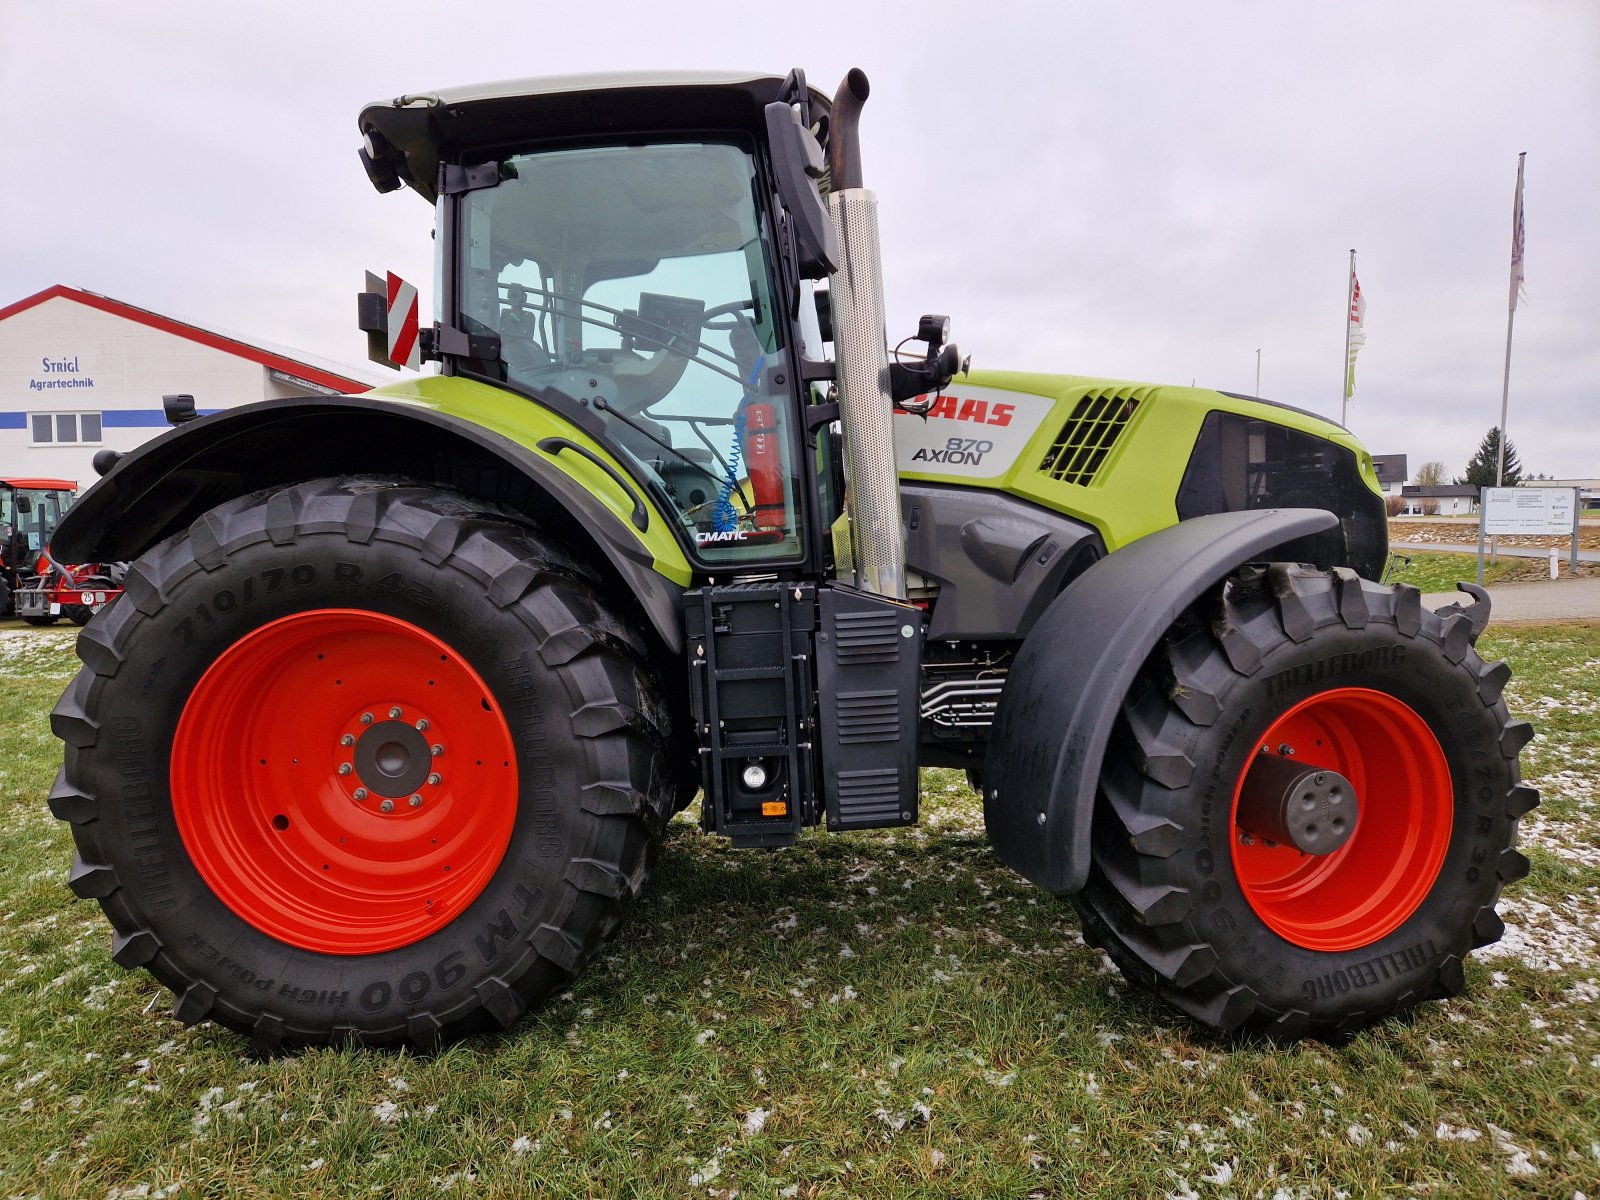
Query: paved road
[[1509, 551], [1564, 599]]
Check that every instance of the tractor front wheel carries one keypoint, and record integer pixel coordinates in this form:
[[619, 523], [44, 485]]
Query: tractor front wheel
[[1310, 808], [358, 760]]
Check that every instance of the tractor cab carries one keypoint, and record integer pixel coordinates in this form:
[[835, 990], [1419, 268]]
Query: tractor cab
[[636, 281], [635, 260], [30, 510]]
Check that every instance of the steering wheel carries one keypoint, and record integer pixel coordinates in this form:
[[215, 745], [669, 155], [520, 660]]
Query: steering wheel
[[734, 308]]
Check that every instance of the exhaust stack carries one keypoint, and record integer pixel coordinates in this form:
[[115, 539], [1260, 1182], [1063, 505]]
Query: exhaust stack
[[861, 351]]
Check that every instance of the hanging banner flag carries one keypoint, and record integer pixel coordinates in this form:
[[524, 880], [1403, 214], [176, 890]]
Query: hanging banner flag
[[1356, 333], [1518, 276]]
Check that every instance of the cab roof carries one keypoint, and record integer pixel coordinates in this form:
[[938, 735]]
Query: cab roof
[[412, 134]]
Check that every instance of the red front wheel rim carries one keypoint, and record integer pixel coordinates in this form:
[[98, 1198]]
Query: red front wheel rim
[[1370, 886], [344, 781]]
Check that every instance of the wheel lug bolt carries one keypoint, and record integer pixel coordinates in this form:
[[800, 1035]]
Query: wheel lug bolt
[[422, 725], [394, 713], [348, 739], [416, 802], [361, 793], [366, 718], [386, 806], [437, 749], [436, 779], [1286, 750], [345, 768]]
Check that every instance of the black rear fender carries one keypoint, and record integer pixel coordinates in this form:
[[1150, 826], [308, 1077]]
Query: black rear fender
[[1067, 684], [164, 485]]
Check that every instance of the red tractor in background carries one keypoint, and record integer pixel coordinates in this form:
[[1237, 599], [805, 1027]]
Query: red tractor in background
[[33, 585]]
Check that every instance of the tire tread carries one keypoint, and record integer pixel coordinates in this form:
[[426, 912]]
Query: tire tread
[[1135, 906], [611, 664]]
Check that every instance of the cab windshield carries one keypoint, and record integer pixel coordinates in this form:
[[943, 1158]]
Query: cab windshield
[[35, 517], [636, 280]]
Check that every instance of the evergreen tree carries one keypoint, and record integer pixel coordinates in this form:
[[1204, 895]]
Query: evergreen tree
[[1481, 470]]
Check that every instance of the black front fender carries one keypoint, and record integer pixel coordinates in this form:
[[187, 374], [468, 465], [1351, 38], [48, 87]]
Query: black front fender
[[165, 484], [1078, 662]]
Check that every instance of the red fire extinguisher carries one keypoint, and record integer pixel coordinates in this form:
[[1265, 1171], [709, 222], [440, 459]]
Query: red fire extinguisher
[[764, 461]]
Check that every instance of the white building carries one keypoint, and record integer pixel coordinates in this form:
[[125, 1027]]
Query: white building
[[1391, 470], [1588, 489], [81, 372], [1440, 499]]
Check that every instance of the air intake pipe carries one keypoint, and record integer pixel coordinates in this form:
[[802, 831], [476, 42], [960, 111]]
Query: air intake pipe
[[861, 353]]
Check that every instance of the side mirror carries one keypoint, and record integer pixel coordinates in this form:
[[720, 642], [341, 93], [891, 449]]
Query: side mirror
[[824, 302], [797, 164], [24, 505], [178, 408]]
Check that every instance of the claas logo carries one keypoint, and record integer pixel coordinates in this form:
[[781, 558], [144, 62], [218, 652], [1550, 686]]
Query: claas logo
[[979, 412]]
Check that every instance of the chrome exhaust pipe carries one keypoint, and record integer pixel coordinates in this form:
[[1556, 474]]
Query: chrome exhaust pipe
[[861, 353]]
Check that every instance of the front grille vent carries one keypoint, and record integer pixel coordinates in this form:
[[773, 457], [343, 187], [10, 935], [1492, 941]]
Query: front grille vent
[[1081, 447]]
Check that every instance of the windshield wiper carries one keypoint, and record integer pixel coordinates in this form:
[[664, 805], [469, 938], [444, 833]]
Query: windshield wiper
[[600, 404]]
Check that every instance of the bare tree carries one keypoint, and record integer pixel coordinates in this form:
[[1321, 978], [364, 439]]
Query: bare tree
[[1430, 474]]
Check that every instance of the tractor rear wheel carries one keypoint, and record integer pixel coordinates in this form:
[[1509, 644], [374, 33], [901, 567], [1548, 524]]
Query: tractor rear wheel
[[361, 761], [1310, 808]]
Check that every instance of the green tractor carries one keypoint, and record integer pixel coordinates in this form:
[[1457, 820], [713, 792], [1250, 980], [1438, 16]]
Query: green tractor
[[405, 685]]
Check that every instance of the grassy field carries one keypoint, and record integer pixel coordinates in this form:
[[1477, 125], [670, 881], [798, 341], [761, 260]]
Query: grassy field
[[1435, 571], [864, 1016], [1438, 571]]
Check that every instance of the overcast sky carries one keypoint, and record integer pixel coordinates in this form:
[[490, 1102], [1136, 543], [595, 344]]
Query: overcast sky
[[1149, 191]]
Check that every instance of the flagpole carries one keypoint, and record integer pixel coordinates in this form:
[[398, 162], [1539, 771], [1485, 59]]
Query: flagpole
[[1344, 379], [1511, 316], [1505, 393]]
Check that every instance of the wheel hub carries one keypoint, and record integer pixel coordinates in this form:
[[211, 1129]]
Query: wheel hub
[[1316, 882], [1288, 803], [392, 759]]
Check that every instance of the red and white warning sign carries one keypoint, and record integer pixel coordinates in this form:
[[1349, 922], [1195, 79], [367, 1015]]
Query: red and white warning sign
[[404, 349]]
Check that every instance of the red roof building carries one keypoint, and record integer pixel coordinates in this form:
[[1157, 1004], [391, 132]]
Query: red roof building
[[80, 372]]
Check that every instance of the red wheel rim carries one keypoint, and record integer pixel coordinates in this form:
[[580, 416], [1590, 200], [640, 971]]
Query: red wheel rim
[[1369, 886], [344, 781]]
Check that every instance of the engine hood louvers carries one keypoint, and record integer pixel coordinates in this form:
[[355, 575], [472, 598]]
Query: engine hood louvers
[[1088, 435]]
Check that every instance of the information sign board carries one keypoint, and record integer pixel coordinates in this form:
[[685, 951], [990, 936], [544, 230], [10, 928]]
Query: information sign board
[[1528, 510]]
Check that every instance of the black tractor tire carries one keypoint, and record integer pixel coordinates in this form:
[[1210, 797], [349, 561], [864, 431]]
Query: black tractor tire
[[1191, 896], [41, 621], [80, 615], [307, 634]]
